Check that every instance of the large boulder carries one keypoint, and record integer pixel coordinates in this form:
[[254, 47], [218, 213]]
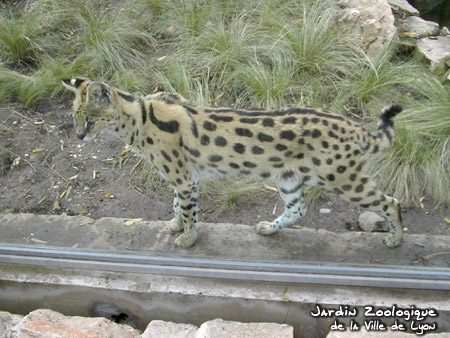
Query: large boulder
[[371, 19]]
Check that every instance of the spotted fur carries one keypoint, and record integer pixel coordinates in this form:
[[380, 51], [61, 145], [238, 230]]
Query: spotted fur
[[292, 145]]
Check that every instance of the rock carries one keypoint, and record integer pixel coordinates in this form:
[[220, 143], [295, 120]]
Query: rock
[[363, 333], [444, 31], [372, 19], [228, 329], [372, 222], [437, 52], [8, 321], [162, 329], [403, 6], [419, 26], [47, 323], [217, 328], [324, 211]]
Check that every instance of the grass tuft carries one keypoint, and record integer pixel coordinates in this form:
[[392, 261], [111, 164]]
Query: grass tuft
[[19, 36]]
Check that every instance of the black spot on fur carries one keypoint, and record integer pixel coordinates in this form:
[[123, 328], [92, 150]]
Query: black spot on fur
[[243, 132], [204, 140], [209, 126], [347, 187], [332, 134], [289, 120], [264, 137], [341, 169], [257, 150], [268, 122], [220, 141], [288, 174], [288, 135], [249, 164], [194, 152], [316, 161], [275, 159], [166, 156], [215, 158], [316, 133], [239, 148]]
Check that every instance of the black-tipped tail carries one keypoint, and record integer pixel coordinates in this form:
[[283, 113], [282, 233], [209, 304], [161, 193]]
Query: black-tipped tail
[[386, 133], [390, 111]]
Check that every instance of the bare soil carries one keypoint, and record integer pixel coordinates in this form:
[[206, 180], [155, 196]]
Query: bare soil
[[45, 169]]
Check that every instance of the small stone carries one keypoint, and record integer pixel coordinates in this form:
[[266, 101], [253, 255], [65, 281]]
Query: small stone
[[444, 31], [372, 222], [324, 211], [162, 329], [228, 329], [404, 6]]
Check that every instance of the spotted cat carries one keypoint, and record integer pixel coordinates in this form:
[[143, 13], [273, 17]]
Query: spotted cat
[[292, 145]]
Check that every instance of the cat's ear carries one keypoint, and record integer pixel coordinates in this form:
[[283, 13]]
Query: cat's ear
[[100, 94], [73, 84]]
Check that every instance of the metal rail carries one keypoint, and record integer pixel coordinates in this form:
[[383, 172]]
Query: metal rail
[[425, 278]]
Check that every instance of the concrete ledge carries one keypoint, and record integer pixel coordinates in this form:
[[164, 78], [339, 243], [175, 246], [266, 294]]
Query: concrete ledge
[[230, 241]]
